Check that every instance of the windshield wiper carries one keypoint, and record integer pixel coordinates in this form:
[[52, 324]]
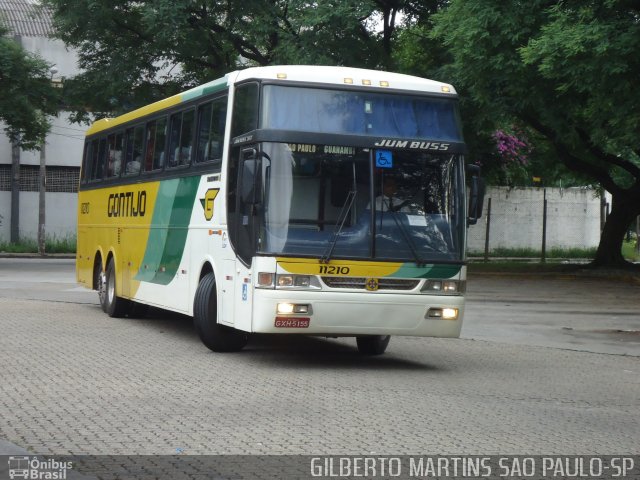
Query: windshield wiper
[[346, 208]]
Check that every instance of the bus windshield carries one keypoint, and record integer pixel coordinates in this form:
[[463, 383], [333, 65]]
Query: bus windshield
[[359, 113], [321, 201]]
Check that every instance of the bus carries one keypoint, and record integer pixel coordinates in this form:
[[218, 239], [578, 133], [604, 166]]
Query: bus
[[324, 201]]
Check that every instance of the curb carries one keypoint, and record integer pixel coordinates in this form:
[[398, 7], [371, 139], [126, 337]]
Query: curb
[[36, 255]]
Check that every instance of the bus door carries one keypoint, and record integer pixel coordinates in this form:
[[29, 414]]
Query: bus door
[[250, 205]]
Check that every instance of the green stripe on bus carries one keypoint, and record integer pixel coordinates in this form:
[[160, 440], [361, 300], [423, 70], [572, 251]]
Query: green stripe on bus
[[410, 270], [158, 230], [211, 87], [175, 241]]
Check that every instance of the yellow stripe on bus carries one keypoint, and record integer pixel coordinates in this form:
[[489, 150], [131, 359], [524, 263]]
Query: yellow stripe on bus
[[106, 123], [312, 266], [111, 222]]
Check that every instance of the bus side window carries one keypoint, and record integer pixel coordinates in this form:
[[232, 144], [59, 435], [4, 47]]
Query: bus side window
[[134, 139], [181, 138], [99, 158], [86, 162], [211, 124], [114, 156], [245, 109], [161, 137], [156, 136]]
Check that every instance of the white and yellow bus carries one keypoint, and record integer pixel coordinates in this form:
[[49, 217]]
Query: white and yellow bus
[[287, 199]]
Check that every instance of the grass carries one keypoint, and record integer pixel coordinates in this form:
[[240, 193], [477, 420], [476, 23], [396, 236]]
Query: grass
[[558, 260], [630, 252], [52, 244], [553, 253]]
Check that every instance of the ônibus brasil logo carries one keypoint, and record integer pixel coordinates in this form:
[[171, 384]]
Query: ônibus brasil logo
[[38, 469]]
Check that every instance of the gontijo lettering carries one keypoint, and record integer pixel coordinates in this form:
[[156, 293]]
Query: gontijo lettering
[[127, 204]]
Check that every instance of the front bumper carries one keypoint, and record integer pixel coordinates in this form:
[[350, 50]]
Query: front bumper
[[348, 314]]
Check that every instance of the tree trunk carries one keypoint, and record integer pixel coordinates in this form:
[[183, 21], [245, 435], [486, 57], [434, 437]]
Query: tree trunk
[[623, 210]]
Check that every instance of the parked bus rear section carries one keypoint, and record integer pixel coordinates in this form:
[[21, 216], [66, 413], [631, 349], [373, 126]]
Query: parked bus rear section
[[288, 199]]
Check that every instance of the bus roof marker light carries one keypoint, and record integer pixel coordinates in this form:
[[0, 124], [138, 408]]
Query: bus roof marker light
[[281, 76], [348, 80], [445, 89], [384, 83], [366, 82]]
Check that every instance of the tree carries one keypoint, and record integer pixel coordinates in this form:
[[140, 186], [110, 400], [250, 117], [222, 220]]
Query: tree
[[27, 96], [568, 70], [135, 52]]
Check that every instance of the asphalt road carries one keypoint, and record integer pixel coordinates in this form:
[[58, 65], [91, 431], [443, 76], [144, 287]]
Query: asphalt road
[[562, 311], [545, 365]]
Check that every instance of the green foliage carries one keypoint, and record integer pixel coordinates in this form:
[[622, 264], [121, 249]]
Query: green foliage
[[630, 251], [53, 244], [565, 70], [137, 52], [27, 96]]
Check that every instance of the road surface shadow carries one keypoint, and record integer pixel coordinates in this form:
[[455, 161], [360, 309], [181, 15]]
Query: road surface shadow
[[301, 351]]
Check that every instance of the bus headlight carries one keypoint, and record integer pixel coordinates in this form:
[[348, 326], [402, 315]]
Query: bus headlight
[[297, 281], [285, 281], [444, 287]]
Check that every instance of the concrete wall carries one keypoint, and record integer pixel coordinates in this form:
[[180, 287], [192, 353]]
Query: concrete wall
[[64, 145], [573, 219], [61, 213]]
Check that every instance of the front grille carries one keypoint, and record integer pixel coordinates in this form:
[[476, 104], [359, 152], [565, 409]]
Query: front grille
[[360, 283]]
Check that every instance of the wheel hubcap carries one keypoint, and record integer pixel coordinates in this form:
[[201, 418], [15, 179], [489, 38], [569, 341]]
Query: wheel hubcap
[[102, 286], [111, 288]]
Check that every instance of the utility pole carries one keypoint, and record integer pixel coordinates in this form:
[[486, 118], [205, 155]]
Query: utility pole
[[544, 227], [638, 235], [41, 199], [15, 183], [15, 193], [42, 190]]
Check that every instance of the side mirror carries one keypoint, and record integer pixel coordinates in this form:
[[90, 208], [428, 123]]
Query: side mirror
[[476, 195]]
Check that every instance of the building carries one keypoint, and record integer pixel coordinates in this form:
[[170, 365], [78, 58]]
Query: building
[[19, 169]]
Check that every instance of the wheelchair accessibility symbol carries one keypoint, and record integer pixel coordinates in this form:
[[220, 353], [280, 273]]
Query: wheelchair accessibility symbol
[[384, 159]]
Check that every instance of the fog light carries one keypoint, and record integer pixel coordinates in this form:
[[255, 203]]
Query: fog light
[[285, 308], [449, 313], [444, 313], [301, 309]]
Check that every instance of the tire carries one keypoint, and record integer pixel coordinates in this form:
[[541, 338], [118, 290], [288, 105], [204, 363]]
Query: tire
[[372, 344], [216, 337], [113, 305], [100, 281]]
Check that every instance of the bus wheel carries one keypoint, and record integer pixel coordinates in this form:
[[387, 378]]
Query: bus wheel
[[372, 344], [113, 305], [100, 281], [216, 337]]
